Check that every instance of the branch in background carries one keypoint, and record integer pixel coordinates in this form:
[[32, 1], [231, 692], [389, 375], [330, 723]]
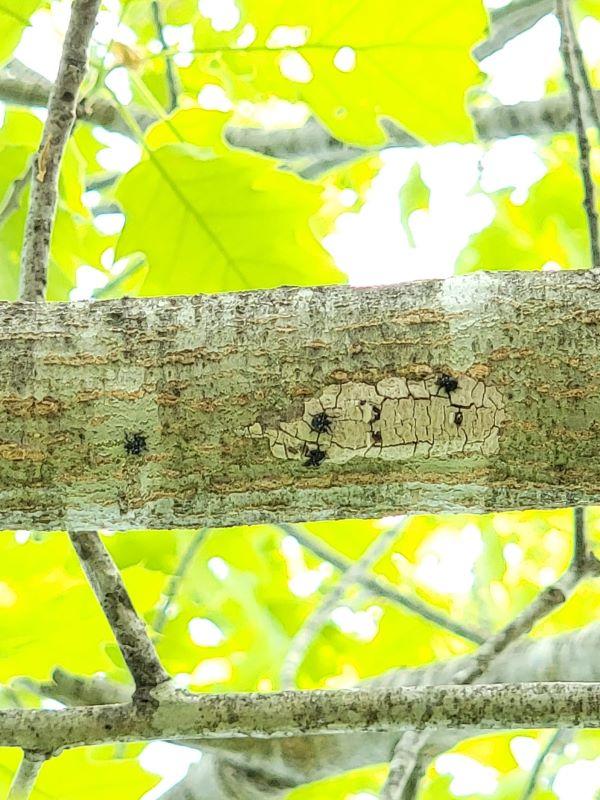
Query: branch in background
[[567, 52], [380, 587], [406, 766], [172, 81], [311, 142], [130, 632], [176, 579], [511, 21], [312, 626], [61, 116], [554, 742], [26, 775]]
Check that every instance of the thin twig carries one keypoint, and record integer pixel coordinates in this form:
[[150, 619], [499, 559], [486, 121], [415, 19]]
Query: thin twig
[[62, 108], [553, 743], [593, 106], [129, 630], [172, 81], [379, 587], [566, 48], [25, 777], [406, 765], [303, 638], [176, 579], [13, 198]]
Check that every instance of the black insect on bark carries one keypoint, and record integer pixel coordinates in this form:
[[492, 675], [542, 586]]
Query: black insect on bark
[[458, 418], [321, 423], [376, 414], [447, 383], [314, 457], [135, 444]]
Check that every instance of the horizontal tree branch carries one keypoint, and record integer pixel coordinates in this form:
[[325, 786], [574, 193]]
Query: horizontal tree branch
[[304, 758], [283, 714], [476, 393]]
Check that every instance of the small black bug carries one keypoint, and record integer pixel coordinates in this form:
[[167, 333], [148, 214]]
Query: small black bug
[[458, 418], [447, 383], [321, 423], [314, 457], [135, 444], [376, 414], [376, 436]]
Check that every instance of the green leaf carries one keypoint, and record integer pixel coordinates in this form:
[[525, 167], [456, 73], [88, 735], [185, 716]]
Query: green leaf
[[14, 18], [550, 226], [414, 196], [220, 224], [361, 60]]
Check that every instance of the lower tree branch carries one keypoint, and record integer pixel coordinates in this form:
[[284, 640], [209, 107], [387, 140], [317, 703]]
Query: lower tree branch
[[130, 632], [285, 714]]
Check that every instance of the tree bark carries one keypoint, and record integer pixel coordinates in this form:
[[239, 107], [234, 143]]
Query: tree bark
[[477, 393]]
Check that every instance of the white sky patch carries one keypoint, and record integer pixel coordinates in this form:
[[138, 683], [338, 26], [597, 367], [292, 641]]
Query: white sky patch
[[204, 632], [579, 781], [274, 113], [109, 224], [211, 670], [117, 81], [546, 576], [286, 36], [371, 245], [181, 36], [520, 70], [446, 559], [345, 59], [468, 775], [295, 67], [88, 279], [513, 554], [169, 761], [589, 38], [247, 36], [214, 98], [514, 163], [306, 582], [218, 567], [120, 153], [107, 23], [41, 44], [224, 15], [525, 750], [364, 625]]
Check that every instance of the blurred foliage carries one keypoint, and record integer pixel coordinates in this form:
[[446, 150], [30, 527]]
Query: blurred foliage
[[199, 216]]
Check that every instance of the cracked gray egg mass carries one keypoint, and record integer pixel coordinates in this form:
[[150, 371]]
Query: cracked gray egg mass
[[395, 420]]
